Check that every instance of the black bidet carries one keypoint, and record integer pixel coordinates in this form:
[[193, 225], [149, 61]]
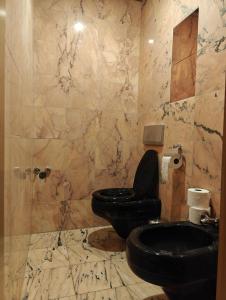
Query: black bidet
[[181, 257]]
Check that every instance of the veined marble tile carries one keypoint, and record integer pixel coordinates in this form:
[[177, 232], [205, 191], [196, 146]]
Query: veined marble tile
[[138, 291], [49, 122], [49, 276], [92, 245], [47, 258], [132, 292], [159, 18], [96, 276], [77, 89], [121, 274], [208, 139], [100, 295], [56, 188], [46, 240], [91, 277], [71, 298], [80, 215], [49, 214], [48, 284]]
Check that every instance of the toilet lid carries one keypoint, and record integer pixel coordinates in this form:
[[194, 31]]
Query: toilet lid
[[146, 179]]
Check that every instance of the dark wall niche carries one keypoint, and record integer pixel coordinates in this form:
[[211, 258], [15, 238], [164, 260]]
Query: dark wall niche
[[183, 72]]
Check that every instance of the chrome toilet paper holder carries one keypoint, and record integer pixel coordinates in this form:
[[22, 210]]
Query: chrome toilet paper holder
[[176, 149]]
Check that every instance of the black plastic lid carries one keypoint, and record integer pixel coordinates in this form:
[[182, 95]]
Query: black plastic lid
[[146, 179]]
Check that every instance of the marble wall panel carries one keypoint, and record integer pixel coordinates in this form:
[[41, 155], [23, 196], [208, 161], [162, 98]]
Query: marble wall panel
[[179, 130], [85, 97], [211, 63], [208, 137], [18, 143], [158, 21]]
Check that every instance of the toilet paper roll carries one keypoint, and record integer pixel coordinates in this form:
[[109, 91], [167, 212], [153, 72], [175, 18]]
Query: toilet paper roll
[[170, 161], [198, 197], [165, 167], [196, 212], [176, 161]]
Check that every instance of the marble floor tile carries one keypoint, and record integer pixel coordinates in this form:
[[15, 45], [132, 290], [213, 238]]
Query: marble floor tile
[[48, 258], [91, 277], [72, 237], [132, 292], [100, 295], [82, 264], [73, 298], [48, 284], [95, 244], [96, 276], [46, 240], [121, 274], [138, 291]]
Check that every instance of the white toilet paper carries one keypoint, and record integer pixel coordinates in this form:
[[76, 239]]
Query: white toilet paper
[[176, 161], [170, 161], [196, 212], [165, 167], [198, 197]]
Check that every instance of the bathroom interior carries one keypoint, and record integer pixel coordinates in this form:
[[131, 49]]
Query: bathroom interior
[[111, 153]]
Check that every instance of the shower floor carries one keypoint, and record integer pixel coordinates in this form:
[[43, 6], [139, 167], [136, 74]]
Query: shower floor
[[82, 264]]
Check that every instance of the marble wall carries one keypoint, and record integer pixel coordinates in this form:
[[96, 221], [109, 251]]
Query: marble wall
[[18, 142], [197, 122], [85, 97], [2, 114]]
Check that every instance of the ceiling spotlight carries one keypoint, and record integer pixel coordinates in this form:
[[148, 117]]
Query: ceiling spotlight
[[78, 26], [2, 13], [151, 41]]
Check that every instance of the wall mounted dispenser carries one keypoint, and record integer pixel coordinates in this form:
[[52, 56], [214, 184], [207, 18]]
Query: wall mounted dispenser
[[154, 135]]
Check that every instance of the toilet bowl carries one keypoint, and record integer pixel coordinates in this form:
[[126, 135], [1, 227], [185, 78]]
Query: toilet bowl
[[127, 208], [181, 257]]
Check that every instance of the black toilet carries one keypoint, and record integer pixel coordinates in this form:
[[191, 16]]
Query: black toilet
[[127, 208]]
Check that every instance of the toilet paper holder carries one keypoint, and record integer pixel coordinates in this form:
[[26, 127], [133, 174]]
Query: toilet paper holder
[[207, 220], [176, 149]]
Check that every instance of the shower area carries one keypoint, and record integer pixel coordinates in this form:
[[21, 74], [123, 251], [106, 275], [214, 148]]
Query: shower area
[[71, 90]]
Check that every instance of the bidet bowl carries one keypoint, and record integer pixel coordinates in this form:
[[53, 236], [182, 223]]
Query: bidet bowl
[[175, 256]]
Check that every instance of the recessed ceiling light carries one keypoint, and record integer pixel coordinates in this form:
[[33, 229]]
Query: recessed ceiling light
[[78, 26], [2, 13], [151, 41]]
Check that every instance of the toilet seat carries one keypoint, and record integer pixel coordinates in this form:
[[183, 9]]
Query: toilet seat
[[115, 194]]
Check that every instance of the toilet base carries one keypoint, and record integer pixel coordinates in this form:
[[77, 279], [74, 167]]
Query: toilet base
[[197, 291], [126, 216]]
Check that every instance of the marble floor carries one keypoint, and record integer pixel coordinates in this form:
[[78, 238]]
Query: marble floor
[[82, 264]]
